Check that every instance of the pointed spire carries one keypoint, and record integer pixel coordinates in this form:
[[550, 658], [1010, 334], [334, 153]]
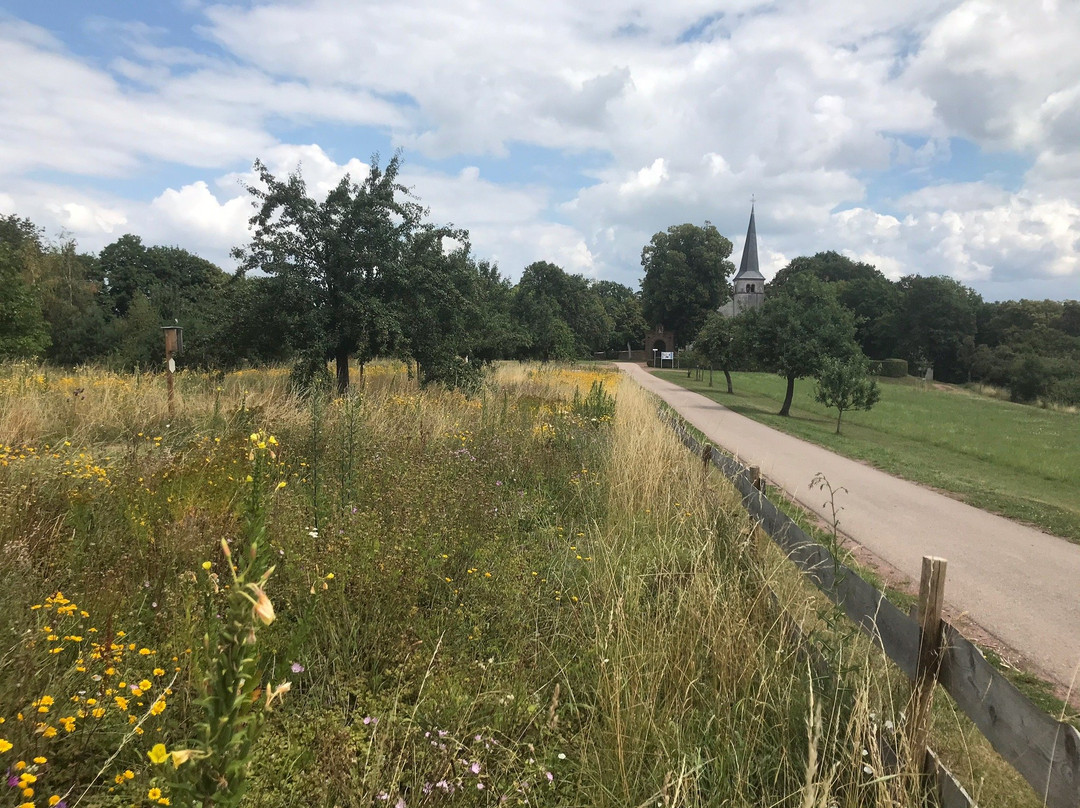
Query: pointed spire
[[748, 267]]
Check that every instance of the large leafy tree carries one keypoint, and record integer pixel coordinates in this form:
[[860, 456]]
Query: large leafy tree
[[686, 277], [935, 315], [561, 315], [724, 342], [338, 260], [623, 307], [798, 327], [23, 330], [861, 288]]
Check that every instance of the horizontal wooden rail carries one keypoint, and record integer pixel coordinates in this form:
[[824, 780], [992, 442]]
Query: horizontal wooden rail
[[1044, 750]]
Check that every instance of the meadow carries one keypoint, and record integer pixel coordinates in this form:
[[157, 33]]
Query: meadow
[[407, 597], [1020, 461]]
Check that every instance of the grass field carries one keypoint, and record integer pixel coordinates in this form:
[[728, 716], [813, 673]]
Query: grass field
[[1019, 461], [530, 597]]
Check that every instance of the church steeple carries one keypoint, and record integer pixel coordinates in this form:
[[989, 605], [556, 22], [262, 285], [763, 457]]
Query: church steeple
[[748, 267], [748, 285]]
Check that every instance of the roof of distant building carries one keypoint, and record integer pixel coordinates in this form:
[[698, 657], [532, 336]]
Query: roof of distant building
[[748, 267]]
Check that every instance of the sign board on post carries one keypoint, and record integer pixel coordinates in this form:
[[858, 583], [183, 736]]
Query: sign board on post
[[667, 354]]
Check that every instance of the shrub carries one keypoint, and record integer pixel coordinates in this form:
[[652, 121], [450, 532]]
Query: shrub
[[894, 368]]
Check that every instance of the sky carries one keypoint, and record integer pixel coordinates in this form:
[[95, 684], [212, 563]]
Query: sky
[[924, 137]]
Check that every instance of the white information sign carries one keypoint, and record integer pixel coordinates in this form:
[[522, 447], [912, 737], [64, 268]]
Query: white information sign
[[667, 354]]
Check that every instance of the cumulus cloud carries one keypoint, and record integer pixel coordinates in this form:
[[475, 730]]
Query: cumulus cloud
[[689, 110]]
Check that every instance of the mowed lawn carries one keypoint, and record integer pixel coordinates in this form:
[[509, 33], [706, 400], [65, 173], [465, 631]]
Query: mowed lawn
[[1016, 460]]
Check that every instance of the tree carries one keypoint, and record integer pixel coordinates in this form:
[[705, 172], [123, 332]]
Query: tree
[[934, 316], [337, 259], [561, 315], [623, 307], [686, 278], [23, 330], [860, 287], [721, 340], [801, 326], [846, 385]]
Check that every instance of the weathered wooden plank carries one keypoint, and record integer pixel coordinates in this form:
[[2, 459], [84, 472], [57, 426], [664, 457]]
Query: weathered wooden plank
[[1045, 751], [950, 793]]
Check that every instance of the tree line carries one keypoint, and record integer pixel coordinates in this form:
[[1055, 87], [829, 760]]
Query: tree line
[[365, 273], [830, 306]]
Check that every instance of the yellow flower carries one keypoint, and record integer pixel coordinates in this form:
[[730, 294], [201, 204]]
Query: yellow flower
[[181, 756], [41, 761], [53, 800], [154, 794], [5, 745], [26, 778], [164, 801], [145, 651], [206, 565], [145, 684], [121, 702], [28, 792], [158, 707], [263, 608], [49, 732], [98, 712], [159, 671], [129, 774], [157, 755]]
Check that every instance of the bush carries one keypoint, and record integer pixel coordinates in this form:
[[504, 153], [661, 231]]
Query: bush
[[894, 368], [310, 374]]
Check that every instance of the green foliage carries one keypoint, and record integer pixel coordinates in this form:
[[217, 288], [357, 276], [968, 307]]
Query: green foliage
[[454, 373], [310, 376], [893, 368], [846, 385], [596, 407], [934, 316], [351, 253], [24, 334], [797, 329], [686, 278], [561, 315], [1029, 380], [623, 307]]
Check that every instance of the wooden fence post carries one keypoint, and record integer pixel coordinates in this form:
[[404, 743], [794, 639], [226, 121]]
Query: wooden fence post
[[706, 459], [931, 599], [755, 477]]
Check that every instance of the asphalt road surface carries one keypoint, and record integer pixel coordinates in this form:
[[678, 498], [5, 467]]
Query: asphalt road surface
[[1019, 584]]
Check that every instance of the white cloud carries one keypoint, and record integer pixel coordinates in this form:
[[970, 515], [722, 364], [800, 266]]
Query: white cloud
[[688, 112]]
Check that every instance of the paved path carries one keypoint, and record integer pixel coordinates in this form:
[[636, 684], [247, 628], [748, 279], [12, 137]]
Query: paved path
[[1021, 585]]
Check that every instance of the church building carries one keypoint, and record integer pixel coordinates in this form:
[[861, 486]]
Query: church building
[[749, 283]]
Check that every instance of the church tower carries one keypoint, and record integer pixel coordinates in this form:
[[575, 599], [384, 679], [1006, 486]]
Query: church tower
[[748, 283]]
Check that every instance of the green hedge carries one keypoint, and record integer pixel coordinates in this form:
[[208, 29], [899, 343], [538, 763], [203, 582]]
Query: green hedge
[[893, 368]]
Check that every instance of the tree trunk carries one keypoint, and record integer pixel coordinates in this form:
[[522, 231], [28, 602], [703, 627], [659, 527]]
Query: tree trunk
[[786, 409], [727, 375], [341, 364], [839, 415]]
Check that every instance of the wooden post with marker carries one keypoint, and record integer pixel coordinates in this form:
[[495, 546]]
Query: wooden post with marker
[[931, 600], [174, 344]]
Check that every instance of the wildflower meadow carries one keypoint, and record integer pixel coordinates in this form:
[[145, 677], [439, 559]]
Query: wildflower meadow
[[403, 597]]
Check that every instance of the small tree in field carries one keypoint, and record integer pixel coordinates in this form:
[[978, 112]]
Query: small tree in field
[[846, 385]]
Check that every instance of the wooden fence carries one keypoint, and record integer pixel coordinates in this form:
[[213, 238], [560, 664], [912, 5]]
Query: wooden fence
[[1045, 751]]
